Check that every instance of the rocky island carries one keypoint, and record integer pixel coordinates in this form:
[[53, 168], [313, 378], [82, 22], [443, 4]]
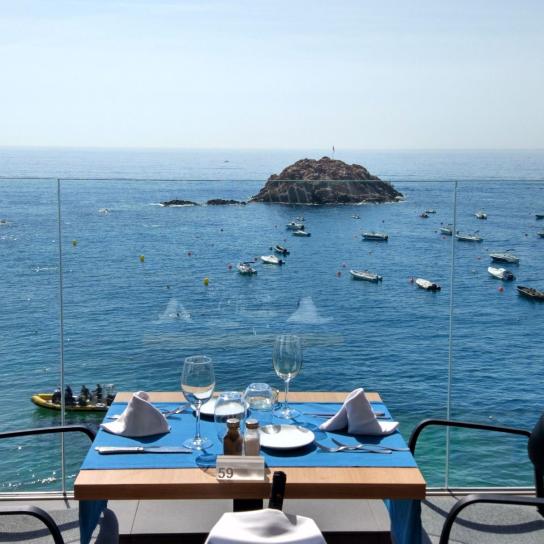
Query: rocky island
[[326, 181]]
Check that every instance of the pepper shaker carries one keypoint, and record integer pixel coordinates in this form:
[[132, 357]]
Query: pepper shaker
[[233, 442]]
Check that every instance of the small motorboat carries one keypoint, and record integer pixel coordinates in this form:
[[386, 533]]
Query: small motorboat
[[539, 215], [271, 259], [501, 273], [541, 234], [424, 215], [376, 236], [447, 230], [246, 269], [427, 285], [355, 216], [301, 233], [281, 250], [530, 292], [504, 258], [480, 215], [468, 237], [430, 210], [365, 275], [293, 225]]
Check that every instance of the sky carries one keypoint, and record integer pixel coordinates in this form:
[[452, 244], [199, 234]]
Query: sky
[[457, 74]]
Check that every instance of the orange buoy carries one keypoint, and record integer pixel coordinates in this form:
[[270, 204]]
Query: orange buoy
[[501, 289]]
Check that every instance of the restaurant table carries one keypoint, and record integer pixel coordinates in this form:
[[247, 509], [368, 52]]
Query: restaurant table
[[401, 487]]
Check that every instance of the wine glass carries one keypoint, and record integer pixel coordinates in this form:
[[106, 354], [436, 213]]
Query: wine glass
[[287, 360], [259, 399], [197, 384]]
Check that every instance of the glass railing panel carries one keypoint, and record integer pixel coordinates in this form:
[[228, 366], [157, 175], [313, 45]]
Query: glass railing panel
[[29, 325], [497, 356]]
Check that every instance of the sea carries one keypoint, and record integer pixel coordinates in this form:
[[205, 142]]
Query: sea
[[144, 286]]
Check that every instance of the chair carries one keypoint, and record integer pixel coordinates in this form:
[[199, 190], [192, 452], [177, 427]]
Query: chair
[[535, 448], [268, 525], [16, 516]]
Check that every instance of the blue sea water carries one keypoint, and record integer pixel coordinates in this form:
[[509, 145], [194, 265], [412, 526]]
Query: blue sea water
[[132, 323]]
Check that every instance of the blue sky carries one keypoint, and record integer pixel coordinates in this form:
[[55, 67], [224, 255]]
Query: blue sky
[[272, 74]]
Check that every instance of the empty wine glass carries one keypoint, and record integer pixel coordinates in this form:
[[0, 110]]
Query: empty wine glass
[[259, 399], [287, 360], [197, 384]]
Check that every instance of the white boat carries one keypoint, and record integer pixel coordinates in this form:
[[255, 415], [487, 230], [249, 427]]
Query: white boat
[[293, 225], [541, 234], [355, 216], [104, 211], [271, 259], [246, 269], [447, 230], [480, 215], [504, 258], [501, 273], [539, 215], [427, 285], [430, 210], [365, 275], [301, 233], [468, 237], [377, 236]]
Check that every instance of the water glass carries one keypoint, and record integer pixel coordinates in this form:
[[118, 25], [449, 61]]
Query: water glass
[[197, 384], [229, 404], [260, 399]]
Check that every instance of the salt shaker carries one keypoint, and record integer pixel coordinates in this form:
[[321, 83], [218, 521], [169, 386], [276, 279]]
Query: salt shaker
[[252, 443], [233, 442]]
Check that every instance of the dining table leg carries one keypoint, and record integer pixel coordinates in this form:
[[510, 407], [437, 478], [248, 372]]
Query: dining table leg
[[405, 515]]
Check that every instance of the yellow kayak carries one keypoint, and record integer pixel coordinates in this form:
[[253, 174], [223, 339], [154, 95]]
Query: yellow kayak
[[44, 401]]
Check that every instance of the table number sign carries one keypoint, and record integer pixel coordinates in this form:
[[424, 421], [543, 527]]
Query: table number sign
[[240, 467]]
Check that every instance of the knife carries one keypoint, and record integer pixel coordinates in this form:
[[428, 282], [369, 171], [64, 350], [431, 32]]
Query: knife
[[108, 450]]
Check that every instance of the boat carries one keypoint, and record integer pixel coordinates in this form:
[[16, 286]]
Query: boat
[[427, 285], [281, 250], [530, 292], [501, 273], [293, 225], [104, 211], [271, 259], [44, 400], [539, 215], [430, 210], [468, 237], [504, 258], [355, 216], [541, 234], [246, 269], [365, 275], [377, 236], [424, 215], [301, 233], [480, 215], [447, 230]]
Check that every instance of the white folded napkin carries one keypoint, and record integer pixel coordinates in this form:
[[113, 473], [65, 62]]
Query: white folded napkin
[[140, 418], [264, 526], [357, 416]]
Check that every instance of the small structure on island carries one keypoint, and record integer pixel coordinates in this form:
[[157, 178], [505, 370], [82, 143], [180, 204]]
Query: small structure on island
[[326, 181]]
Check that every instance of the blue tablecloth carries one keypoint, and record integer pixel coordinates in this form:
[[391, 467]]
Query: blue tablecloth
[[405, 515]]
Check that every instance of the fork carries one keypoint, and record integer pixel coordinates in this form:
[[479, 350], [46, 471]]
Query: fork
[[336, 449], [367, 446], [165, 413]]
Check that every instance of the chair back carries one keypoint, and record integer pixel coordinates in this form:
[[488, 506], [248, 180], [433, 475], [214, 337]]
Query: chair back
[[536, 445]]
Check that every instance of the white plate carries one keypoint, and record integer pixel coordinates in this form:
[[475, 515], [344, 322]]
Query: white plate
[[285, 437], [208, 408]]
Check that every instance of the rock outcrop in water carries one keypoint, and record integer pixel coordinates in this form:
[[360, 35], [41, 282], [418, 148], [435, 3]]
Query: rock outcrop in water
[[223, 202], [325, 181], [176, 202]]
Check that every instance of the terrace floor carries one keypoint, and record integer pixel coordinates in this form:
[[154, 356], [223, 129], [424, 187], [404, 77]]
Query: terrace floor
[[346, 522]]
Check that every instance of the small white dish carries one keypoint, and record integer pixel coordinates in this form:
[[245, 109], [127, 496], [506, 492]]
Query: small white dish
[[285, 437]]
